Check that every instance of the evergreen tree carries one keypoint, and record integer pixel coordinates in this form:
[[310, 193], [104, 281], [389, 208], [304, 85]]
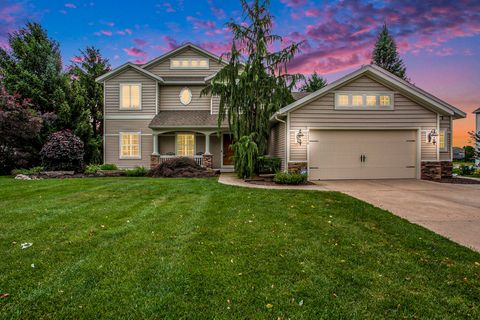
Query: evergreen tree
[[255, 83], [385, 54], [33, 68], [85, 69], [314, 83]]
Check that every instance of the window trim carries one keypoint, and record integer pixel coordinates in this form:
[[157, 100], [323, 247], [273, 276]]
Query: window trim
[[364, 105], [123, 84], [194, 143], [190, 64], [445, 140], [180, 96], [120, 139]]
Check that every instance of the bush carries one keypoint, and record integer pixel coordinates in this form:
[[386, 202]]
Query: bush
[[27, 171], [108, 166], [63, 151], [266, 164], [179, 167], [136, 172], [467, 170], [92, 168], [290, 178]]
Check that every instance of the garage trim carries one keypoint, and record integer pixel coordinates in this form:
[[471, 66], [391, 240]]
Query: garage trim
[[418, 142]]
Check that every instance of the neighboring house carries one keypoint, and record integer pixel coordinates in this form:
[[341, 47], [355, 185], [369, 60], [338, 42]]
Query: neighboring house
[[458, 154], [477, 129], [369, 124]]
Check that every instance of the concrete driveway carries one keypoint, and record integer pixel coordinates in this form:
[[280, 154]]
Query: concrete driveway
[[447, 209]]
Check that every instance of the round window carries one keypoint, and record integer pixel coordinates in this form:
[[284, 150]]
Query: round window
[[185, 96]]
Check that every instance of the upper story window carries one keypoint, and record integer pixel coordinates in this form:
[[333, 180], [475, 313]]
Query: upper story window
[[130, 96], [185, 96], [364, 100], [189, 63]]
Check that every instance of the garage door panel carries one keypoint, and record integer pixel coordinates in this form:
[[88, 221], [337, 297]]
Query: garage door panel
[[336, 154]]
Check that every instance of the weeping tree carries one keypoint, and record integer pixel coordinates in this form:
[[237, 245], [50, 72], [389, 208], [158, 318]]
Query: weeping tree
[[255, 83], [385, 54]]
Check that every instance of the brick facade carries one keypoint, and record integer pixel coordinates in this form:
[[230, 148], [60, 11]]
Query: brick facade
[[208, 161], [436, 170], [154, 160]]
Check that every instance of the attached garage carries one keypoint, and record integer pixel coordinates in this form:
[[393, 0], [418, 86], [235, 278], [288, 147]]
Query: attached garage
[[362, 154]]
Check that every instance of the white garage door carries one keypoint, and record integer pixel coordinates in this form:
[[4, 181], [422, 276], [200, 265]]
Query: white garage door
[[359, 154]]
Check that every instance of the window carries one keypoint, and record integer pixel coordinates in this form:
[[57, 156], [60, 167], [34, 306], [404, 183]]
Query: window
[[189, 63], [363, 100], [130, 96], [130, 145], [185, 144], [185, 96], [442, 140]]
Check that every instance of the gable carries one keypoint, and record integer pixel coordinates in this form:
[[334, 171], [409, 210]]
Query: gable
[[363, 83], [161, 67]]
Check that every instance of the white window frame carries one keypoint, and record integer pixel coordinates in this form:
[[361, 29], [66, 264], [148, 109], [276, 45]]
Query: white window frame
[[129, 108], [445, 140], [364, 105], [194, 143], [190, 63], [180, 96], [120, 136]]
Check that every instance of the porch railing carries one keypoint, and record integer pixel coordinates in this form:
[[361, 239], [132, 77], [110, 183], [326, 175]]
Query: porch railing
[[198, 159]]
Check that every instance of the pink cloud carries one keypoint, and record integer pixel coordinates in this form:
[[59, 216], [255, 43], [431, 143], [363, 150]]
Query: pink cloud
[[107, 33], [312, 12], [77, 59], [70, 5], [124, 32], [201, 24], [9, 12], [219, 13], [215, 47], [140, 42], [293, 3], [444, 52], [135, 52]]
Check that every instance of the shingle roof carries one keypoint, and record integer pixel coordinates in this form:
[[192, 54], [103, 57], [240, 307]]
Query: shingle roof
[[184, 79], [476, 111], [185, 119], [299, 95]]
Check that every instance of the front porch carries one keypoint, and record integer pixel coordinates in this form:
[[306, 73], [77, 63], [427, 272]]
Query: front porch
[[209, 149]]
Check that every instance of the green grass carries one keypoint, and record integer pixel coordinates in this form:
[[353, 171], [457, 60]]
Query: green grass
[[132, 248]]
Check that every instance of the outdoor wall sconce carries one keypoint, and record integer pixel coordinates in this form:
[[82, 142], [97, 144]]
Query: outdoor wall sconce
[[432, 136], [299, 137]]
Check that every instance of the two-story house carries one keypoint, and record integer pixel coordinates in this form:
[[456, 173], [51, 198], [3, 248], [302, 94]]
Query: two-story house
[[154, 111], [368, 124]]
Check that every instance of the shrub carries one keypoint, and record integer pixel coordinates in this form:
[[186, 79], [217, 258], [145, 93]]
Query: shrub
[[467, 170], [266, 164], [92, 168], [136, 172], [63, 151], [290, 178], [108, 166], [180, 167], [246, 154], [27, 171]]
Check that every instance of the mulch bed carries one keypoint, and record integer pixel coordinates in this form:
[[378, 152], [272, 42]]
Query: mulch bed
[[269, 182], [457, 180]]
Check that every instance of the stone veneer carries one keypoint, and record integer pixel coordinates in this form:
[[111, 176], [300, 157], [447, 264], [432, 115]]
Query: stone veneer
[[436, 170], [297, 166], [208, 161]]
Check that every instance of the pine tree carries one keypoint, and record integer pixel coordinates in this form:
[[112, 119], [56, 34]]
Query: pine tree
[[255, 83], [314, 83], [385, 54]]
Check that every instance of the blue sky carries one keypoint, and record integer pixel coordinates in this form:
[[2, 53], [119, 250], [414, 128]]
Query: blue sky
[[439, 40]]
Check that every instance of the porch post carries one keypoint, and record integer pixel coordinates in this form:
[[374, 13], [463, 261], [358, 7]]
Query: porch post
[[207, 142], [155, 143]]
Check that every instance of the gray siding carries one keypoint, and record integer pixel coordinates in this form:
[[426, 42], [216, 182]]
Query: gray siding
[[321, 113], [162, 67], [112, 93], [277, 142], [445, 124], [215, 104], [169, 98], [116, 126]]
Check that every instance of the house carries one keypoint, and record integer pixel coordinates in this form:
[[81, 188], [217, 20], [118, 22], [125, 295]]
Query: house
[[458, 154], [367, 125]]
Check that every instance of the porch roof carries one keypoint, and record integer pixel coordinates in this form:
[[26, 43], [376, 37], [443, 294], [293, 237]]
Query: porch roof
[[185, 119]]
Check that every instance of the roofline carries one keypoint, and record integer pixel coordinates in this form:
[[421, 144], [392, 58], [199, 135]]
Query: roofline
[[186, 45], [124, 66], [385, 75], [476, 111]]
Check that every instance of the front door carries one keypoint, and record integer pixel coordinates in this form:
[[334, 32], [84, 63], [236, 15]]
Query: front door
[[227, 150]]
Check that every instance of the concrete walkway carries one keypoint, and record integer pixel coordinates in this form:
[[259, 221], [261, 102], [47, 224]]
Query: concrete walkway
[[450, 210]]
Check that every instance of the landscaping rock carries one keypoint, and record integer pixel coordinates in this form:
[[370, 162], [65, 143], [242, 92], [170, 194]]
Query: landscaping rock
[[22, 177]]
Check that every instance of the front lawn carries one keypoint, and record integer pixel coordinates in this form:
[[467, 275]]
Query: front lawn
[[132, 248]]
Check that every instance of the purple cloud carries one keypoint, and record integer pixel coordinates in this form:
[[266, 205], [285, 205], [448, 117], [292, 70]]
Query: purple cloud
[[107, 33], [140, 42], [70, 5]]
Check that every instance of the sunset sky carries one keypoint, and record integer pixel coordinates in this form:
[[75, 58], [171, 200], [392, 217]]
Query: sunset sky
[[438, 40]]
